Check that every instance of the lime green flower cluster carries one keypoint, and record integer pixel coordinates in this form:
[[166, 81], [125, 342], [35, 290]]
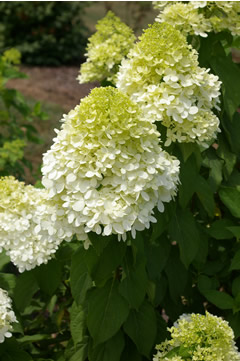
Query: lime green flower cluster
[[196, 337], [28, 229], [163, 76], [11, 152], [106, 166], [200, 17], [106, 49], [12, 56]]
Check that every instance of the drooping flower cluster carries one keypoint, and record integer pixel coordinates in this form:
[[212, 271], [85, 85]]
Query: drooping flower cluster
[[198, 337], [106, 49], [163, 76], [106, 166], [31, 228], [200, 17], [7, 316]]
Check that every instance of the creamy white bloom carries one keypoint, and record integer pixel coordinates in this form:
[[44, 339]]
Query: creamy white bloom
[[7, 316], [163, 76], [106, 48], [200, 17], [31, 228], [106, 166]]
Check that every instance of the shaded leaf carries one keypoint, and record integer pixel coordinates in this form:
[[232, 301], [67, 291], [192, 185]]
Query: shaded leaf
[[106, 313], [141, 327]]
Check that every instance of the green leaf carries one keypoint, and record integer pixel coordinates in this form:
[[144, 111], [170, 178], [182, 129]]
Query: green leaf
[[220, 229], [183, 229], [32, 338], [10, 351], [133, 287], [26, 286], [234, 322], [236, 286], [108, 351], [235, 264], [220, 299], [226, 155], [106, 313], [229, 74], [108, 261], [205, 195], [81, 351], [187, 149], [141, 327], [231, 198], [235, 231], [157, 257], [204, 283], [4, 259], [77, 323], [215, 166], [99, 242], [130, 351], [83, 262], [176, 274], [8, 282], [232, 130], [49, 276], [188, 176]]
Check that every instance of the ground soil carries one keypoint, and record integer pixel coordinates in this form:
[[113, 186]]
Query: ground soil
[[57, 85]]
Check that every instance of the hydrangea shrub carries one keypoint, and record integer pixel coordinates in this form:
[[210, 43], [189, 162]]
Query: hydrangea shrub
[[135, 232]]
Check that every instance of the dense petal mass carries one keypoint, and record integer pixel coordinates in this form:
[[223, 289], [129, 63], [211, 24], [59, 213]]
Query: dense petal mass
[[163, 76], [106, 49], [30, 227], [106, 166], [199, 337], [200, 17], [7, 316]]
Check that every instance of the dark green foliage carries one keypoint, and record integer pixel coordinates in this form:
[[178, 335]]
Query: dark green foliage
[[46, 33]]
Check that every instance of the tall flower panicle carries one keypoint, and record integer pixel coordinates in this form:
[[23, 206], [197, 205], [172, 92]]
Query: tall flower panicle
[[106, 166], [163, 76], [30, 227], [7, 316], [199, 337], [200, 17], [106, 49]]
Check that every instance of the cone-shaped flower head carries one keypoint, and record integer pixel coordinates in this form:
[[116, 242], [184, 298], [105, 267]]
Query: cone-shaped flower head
[[7, 316], [201, 17], [106, 166], [106, 49], [29, 231], [163, 76], [199, 337]]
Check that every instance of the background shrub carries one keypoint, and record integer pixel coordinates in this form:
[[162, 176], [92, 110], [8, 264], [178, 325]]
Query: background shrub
[[49, 33]]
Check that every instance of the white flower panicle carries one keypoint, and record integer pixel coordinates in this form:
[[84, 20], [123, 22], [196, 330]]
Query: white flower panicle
[[7, 316], [163, 76], [106, 166], [31, 228], [106, 49], [200, 17], [199, 337]]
